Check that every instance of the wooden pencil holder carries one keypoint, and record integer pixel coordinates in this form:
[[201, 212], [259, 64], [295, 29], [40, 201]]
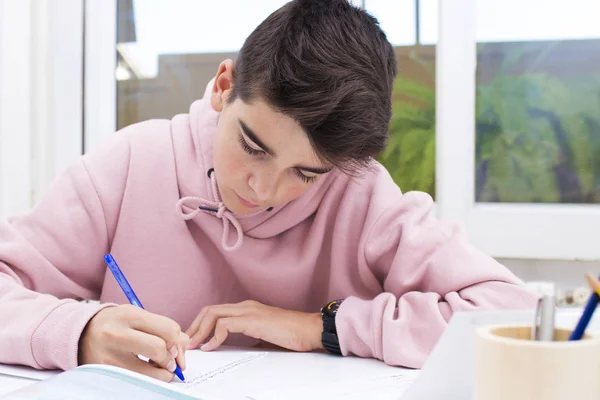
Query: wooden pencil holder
[[511, 366]]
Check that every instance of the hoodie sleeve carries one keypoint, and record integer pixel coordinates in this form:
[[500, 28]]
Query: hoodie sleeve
[[53, 255], [428, 271]]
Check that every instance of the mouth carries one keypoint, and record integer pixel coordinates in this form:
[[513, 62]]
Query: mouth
[[246, 203]]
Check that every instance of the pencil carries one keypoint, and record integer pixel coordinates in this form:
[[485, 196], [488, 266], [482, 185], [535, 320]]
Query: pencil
[[594, 283], [586, 316]]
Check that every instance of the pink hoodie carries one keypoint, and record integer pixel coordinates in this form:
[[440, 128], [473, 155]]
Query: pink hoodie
[[401, 271]]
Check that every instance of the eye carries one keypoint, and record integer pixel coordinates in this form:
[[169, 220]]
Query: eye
[[249, 149], [305, 178]]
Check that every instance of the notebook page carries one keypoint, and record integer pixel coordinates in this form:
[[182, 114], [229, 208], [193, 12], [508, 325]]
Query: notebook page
[[282, 374]]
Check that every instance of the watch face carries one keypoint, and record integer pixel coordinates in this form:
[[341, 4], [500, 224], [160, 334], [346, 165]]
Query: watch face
[[332, 307]]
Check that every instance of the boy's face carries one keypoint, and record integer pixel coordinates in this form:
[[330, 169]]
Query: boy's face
[[262, 158]]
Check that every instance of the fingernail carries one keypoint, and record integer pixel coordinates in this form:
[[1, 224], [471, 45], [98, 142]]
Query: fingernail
[[171, 366], [204, 347], [174, 351]]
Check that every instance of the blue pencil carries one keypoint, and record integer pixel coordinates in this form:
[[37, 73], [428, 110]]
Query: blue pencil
[[588, 311], [128, 290]]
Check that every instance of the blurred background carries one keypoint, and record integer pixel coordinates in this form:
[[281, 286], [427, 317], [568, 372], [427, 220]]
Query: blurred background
[[496, 109]]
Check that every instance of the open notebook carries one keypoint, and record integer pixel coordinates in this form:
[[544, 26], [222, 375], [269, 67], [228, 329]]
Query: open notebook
[[230, 373]]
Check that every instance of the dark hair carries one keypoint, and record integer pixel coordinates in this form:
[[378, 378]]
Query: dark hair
[[328, 65]]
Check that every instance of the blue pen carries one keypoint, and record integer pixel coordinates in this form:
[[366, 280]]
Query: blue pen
[[128, 290], [588, 311]]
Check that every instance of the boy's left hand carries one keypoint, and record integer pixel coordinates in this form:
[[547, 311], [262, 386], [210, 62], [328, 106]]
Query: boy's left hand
[[292, 330]]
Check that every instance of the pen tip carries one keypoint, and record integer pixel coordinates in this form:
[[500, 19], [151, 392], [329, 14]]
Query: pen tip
[[179, 374]]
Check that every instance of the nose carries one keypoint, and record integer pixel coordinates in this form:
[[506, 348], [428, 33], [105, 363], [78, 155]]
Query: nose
[[264, 186]]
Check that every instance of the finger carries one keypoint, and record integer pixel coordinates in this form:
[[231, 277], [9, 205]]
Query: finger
[[223, 327], [153, 324], [184, 342], [193, 328], [135, 364], [211, 316], [195, 324], [152, 347]]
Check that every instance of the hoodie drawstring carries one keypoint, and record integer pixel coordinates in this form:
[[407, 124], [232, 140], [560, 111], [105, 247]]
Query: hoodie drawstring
[[188, 207]]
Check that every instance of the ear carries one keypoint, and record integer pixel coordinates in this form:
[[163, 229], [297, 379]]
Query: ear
[[222, 86]]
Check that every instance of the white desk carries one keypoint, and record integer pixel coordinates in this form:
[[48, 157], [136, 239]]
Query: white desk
[[9, 384], [447, 373], [272, 375]]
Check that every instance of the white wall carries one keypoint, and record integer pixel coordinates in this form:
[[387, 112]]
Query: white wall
[[41, 71], [15, 106]]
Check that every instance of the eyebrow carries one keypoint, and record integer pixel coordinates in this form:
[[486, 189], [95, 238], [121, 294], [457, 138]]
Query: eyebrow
[[254, 137]]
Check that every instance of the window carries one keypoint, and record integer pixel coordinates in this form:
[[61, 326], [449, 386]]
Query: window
[[160, 72], [520, 109], [410, 154]]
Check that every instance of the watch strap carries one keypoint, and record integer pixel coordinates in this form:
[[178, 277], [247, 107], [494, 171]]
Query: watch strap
[[331, 342]]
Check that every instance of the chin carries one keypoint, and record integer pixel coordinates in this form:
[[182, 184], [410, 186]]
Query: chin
[[235, 207]]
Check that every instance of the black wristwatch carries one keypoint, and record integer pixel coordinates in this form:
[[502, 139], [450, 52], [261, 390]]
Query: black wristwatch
[[329, 337]]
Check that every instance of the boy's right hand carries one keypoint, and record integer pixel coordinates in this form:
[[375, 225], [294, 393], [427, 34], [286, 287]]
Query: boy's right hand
[[117, 335]]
